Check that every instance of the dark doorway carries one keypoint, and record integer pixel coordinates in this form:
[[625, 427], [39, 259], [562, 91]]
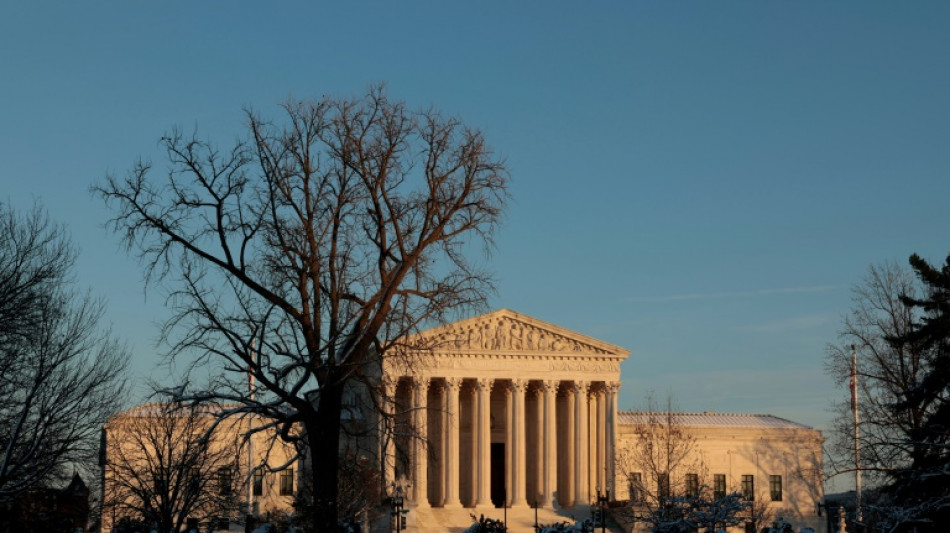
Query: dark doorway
[[498, 495]]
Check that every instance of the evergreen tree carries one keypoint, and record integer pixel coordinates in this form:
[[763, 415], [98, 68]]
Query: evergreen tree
[[926, 482]]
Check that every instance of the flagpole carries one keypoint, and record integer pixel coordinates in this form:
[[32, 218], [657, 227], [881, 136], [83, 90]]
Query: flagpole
[[857, 435], [250, 435]]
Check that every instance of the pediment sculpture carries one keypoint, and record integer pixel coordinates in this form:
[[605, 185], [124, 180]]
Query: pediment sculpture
[[506, 334]]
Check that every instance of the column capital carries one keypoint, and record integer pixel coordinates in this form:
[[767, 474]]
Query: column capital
[[548, 386], [484, 384], [517, 385], [420, 382], [453, 383], [612, 387], [580, 387]]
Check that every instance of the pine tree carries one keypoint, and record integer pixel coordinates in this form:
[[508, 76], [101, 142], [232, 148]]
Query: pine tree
[[927, 480]]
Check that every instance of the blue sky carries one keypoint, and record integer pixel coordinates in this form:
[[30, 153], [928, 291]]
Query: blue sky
[[699, 182]]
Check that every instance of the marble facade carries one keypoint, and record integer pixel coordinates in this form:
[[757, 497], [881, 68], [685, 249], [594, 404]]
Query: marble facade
[[506, 411], [503, 409]]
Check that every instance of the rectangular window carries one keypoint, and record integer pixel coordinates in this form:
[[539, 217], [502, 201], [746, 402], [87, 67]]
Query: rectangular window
[[287, 482], [775, 488], [663, 485], [692, 485], [635, 486], [748, 487], [719, 486], [258, 483], [224, 481], [194, 481]]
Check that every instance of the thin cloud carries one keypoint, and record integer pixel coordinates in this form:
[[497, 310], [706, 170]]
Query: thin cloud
[[683, 297], [735, 294], [791, 324], [799, 290]]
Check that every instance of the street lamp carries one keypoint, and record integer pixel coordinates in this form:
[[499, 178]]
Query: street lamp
[[504, 505], [602, 500], [399, 511], [537, 528]]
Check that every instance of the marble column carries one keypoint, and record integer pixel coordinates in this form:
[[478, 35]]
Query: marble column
[[611, 436], [483, 448], [581, 436], [389, 435], [548, 443], [567, 454], [509, 416], [601, 440], [518, 470], [450, 461], [473, 457], [535, 447], [420, 452]]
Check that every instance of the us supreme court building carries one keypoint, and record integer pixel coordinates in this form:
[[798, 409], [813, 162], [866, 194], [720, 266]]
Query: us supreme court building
[[503, 413]]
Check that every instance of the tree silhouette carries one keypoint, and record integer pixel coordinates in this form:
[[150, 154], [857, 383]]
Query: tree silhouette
[[304, 253], [61, 374]]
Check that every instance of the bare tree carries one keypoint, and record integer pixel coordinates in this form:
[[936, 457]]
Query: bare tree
[[61, 374], [167, 463], [303, 253], [759, 514], [886, 372], [667, 479], [662, 468], [663, 453]]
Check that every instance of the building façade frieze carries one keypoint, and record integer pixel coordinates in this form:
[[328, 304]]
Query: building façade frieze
[[503, 344], [505, 366]]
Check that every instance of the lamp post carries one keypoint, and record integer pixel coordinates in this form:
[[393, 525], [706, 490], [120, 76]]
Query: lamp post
[[504, 506], [399, 511], [602, 500], [537, 528]]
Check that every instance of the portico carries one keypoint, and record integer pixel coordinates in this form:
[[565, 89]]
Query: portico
[[503, 409]]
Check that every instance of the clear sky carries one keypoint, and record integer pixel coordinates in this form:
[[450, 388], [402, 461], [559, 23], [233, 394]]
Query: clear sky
[[699, 182]]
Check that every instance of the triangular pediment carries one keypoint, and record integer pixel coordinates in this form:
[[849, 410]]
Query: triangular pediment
[[505, 331]]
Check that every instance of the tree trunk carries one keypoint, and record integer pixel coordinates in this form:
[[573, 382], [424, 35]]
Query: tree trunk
[[324, 436]]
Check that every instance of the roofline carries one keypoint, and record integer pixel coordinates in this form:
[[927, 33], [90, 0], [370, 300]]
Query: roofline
[[614, 350], [792, 424]]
